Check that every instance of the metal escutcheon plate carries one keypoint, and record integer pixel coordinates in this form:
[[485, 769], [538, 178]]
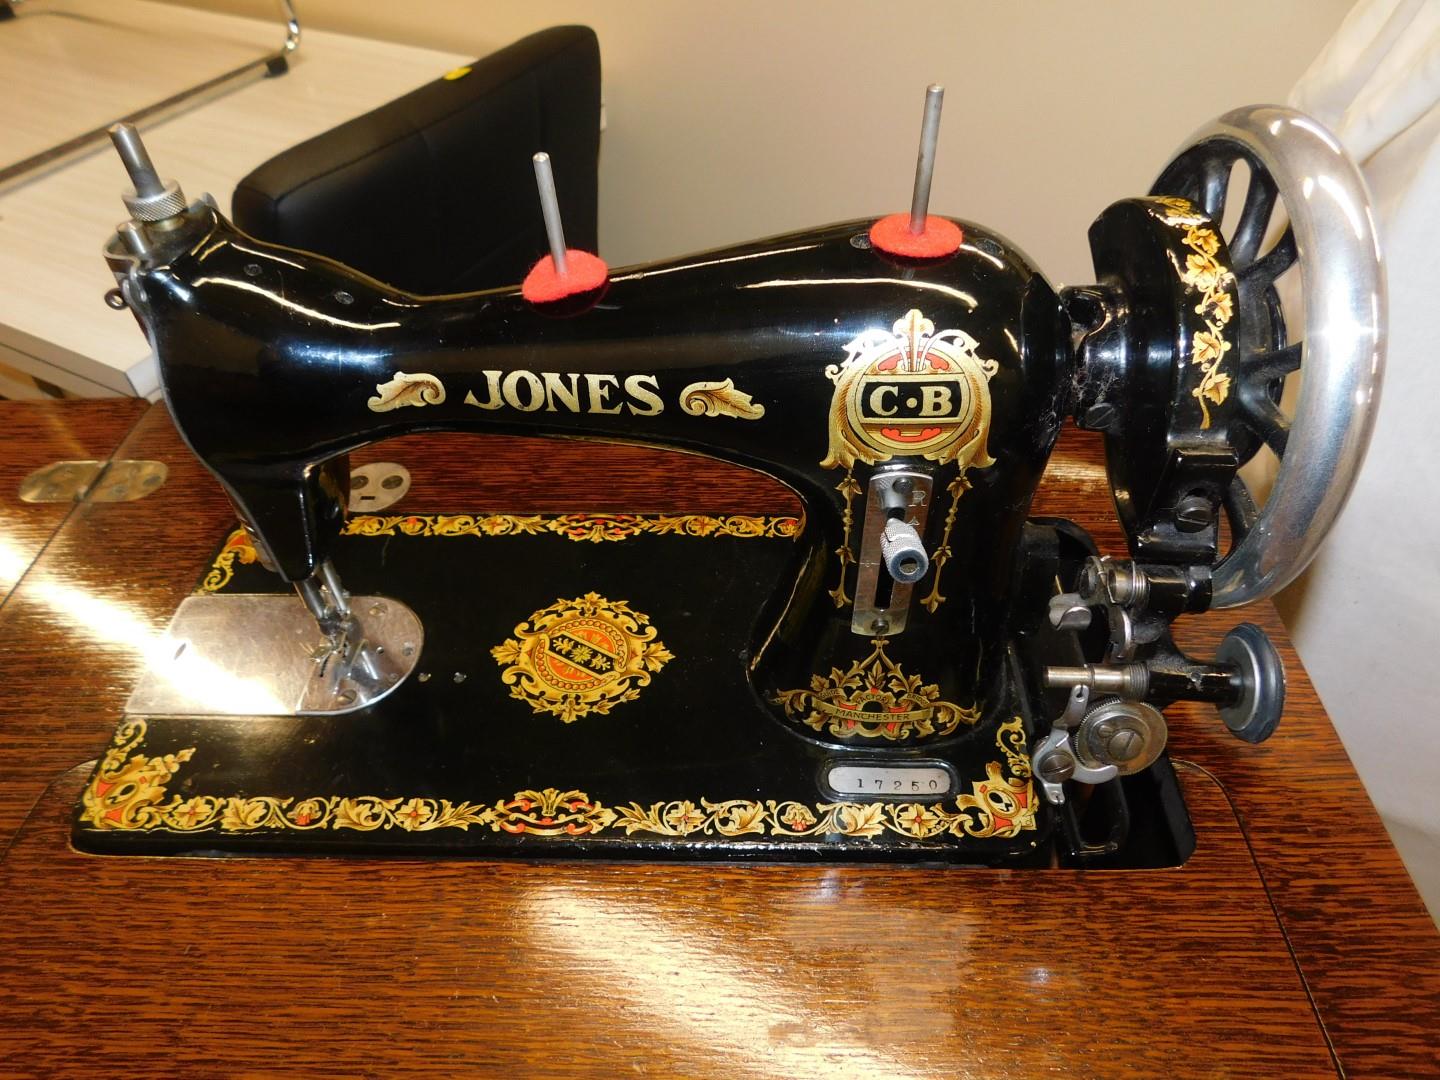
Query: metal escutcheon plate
[[263, 655]]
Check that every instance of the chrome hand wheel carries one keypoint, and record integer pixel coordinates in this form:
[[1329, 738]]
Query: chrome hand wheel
[[1330, 242]]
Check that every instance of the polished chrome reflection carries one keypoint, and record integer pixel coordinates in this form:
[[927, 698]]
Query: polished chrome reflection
[[1343, 290]]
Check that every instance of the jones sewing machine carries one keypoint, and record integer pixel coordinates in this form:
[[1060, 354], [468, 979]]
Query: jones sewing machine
[[911, 670]]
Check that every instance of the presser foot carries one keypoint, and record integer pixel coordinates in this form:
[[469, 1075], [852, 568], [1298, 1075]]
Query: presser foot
[[252, 654]]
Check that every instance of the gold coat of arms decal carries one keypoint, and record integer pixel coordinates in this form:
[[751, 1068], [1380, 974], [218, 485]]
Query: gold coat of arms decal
[[911, 393], [581, 656]]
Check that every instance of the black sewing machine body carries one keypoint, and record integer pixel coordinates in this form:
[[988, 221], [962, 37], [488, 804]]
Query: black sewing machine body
[[305, 344], [905, 673]]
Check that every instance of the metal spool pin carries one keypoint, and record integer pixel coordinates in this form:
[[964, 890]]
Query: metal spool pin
[[925, 162], [550, 208]]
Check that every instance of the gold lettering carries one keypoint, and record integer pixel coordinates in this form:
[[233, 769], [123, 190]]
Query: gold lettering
[[536, 391], [599, 390], [642, 388], [569, 395], [492, 391], [936, 401], [876, 407], [555, 391]]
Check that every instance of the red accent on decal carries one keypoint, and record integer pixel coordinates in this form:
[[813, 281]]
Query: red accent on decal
[[924, 434]]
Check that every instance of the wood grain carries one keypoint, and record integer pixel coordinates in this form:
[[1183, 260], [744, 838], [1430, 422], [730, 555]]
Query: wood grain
[[360, 968], [36, 434], [1361, 934], [331, 967]]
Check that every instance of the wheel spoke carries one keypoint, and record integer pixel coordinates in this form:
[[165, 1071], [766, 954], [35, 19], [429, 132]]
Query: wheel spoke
[[1276, 311], [1240, 509], [1254, 218], [1266, 367], [1265, 417], [1274, 262], [1214, 183]]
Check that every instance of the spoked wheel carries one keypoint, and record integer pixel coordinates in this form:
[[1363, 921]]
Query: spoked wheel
[[1327, 237]]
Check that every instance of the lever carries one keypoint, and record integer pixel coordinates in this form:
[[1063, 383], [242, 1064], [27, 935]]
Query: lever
[[901, 548], [903, 551]]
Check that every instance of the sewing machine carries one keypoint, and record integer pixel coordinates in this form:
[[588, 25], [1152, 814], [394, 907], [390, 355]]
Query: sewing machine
[[911, 670]]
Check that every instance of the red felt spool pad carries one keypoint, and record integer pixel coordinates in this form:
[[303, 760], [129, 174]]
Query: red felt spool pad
[[583, 272], [892, 235]]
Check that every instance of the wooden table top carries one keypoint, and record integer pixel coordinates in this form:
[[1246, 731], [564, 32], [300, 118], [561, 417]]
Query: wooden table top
[[1291, 944], [36, 436]]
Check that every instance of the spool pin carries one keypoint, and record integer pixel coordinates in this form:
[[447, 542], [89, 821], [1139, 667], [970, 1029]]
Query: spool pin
[[918, 235], [565, 272]]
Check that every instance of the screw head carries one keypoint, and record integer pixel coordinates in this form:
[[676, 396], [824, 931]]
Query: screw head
[[1055, 767], [1193, 513], [1100, 416], [1125, 745]]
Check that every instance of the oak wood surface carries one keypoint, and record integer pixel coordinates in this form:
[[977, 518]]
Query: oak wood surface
[[334, 967], [199, 967], [35, 434]]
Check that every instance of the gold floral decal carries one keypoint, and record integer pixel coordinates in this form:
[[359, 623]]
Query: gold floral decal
[[591, 527], [874, 699], [129, 793], [418, 390], [849, 489], [581, 656], [1205, 274], [956, 488], [719, 399]]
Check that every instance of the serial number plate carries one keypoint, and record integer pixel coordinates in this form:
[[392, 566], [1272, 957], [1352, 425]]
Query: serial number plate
[[889, 781]]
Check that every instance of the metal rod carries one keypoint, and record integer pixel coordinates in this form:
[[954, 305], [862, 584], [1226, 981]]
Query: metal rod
[[925, 163], [550, 207], [338, 595], [1128, 680], [314, 597], [136, 159], [266, 64], [135, 238]]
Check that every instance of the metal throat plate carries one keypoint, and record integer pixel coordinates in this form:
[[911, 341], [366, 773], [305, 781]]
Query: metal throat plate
[[253, 654]]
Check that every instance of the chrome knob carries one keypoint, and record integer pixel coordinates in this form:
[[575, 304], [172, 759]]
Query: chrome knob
[[904, 553]]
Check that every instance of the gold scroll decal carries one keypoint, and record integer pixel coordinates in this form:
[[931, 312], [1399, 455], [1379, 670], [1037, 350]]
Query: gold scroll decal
[[580, 656], [404, 389], [129, 792], [580, 528], [874, 699], [719, 399]]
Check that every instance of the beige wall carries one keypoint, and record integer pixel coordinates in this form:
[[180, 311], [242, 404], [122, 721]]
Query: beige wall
[[733, 120]]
